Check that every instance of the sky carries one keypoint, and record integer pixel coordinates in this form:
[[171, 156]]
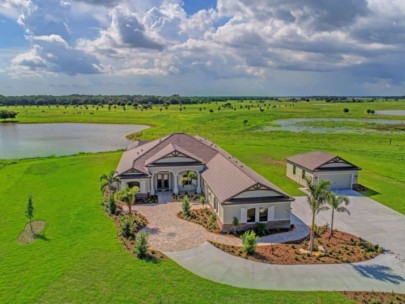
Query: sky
[[202, 47]]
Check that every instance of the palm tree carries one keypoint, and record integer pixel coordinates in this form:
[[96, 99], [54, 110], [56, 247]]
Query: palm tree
[[318, 194], [127, 196], [335, 203], [109, 182]]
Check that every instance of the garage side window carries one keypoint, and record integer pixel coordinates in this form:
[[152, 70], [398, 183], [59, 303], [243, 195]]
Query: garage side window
[[303, 173], [251, 215], [294, 170], [263, 212]]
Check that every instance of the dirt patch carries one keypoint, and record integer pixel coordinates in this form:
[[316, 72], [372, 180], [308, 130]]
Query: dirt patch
[[371, 297], [341, 248], [271, 161], [26, 236]]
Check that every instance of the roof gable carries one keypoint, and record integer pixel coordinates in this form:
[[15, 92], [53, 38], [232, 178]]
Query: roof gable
[[318, 160], [173, 151]]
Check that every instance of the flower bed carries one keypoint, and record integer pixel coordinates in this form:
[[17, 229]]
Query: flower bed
[[203, 217], [341, 248]]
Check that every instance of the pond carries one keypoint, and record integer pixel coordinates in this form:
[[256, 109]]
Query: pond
[[34, 140], [391, 112], [337, 125]]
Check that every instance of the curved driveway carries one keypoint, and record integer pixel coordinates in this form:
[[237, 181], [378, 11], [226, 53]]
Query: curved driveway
[[368, 219]]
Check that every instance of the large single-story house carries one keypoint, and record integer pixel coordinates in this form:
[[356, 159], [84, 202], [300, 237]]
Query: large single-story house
[[318, 165], [229, 186]]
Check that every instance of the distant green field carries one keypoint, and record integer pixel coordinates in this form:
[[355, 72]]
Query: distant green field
[[382, 156], [81, 259]]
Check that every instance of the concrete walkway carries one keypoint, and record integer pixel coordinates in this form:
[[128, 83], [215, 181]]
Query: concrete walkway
[[368, 219]]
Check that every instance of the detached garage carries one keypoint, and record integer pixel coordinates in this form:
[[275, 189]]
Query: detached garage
[[319, 166]]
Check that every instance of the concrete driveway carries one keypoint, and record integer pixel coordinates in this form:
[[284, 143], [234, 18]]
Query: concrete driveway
[[369, 219]]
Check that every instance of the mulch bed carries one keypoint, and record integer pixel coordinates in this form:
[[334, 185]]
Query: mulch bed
[[341, 248], [201, 217], [26, 236], [372, 297], [129, 243]]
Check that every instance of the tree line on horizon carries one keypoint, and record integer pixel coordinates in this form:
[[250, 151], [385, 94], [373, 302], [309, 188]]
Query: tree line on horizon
[[122, 100]]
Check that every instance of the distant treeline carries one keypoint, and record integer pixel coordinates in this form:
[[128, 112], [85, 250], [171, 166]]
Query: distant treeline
[[117, 100], [123, 100]]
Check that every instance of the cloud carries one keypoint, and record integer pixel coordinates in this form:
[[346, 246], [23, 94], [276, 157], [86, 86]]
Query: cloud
[[45, 26], [239, 39]]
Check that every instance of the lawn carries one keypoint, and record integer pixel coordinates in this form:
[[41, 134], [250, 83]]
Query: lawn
[[382, 156], [80, 258]]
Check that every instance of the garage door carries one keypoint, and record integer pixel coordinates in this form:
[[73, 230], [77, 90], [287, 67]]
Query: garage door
[[338, 181]]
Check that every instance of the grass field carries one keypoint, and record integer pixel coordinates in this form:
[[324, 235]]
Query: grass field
[[80, 258], [382, 156]]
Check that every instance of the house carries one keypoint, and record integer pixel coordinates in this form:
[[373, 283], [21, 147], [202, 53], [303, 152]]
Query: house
[[318, 165], [229, 186]]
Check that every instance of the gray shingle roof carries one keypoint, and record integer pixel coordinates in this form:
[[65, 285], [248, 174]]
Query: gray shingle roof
[[225, 175]]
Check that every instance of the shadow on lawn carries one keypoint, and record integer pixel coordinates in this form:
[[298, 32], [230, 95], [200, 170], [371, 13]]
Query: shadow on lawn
[[379, 272]]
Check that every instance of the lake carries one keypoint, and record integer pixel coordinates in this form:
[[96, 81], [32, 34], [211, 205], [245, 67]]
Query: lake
[[34, 140], [391, 112], [304, 125]]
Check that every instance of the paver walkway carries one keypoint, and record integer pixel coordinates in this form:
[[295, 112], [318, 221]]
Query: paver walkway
[[168, 233], [368, 219]]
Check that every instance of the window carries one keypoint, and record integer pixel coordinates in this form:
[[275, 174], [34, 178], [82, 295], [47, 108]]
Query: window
[[303, 173], [294, 170], [263, 214], [251, 215]]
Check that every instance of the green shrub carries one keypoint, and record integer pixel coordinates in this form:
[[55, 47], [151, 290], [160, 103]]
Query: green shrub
[[212, 221], [261, 229], [141, 245], [125, 228], [112, 206], [185, 205], [249, 240]]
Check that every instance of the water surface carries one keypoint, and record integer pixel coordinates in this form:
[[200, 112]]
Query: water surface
[[391, 112], [304, 125], [33, 140]]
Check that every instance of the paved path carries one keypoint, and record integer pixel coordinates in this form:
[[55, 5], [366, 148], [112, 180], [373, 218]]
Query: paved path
[[168, 233], [368, 219]]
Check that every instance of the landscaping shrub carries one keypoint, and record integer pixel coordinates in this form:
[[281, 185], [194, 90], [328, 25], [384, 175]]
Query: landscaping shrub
[[125, 228], [141, 246], [261, 229], [213, 220], [249, 240], [112, 207], [186, 206], [131, 224]]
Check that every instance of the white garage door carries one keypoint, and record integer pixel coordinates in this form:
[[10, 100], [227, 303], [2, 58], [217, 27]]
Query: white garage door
[[338, 181]]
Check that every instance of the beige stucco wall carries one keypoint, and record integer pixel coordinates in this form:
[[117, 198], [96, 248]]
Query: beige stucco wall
[[282, 211], [297, 177]]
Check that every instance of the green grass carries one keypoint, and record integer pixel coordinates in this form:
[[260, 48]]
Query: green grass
[[80, 259]]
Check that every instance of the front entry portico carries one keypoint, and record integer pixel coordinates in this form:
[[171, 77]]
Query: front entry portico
[[163, 181]]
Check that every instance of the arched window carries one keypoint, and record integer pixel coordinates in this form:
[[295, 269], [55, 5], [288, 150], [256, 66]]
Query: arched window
[[251, 215]]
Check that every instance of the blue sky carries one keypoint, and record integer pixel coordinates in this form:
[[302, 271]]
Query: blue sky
[[202, 47]]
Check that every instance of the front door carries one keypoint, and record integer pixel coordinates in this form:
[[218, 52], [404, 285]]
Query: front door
[[163, 182]]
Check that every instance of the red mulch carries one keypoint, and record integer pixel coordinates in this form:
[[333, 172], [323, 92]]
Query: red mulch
[[341, 248], [372, 297]]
